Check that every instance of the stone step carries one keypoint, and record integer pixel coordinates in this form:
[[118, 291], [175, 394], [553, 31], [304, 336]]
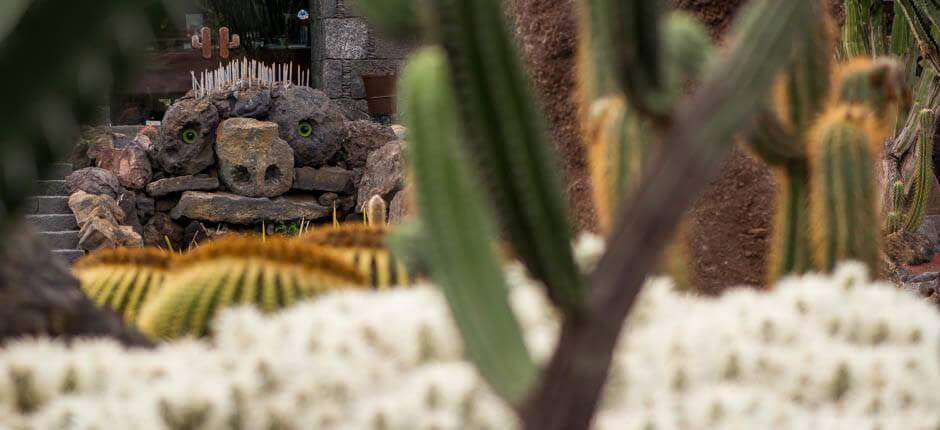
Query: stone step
[[47, 205], [69, 255], [60, 239], [57, 171], [53, 222], [52, 188]]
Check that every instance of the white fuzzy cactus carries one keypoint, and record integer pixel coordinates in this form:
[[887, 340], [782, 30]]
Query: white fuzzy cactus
[[834, 352]]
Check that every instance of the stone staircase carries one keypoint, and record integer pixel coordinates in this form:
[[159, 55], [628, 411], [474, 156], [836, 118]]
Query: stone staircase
[[49, 212]]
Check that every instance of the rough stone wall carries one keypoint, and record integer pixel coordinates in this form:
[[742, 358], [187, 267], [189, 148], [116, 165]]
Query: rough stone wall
[[352, 48]]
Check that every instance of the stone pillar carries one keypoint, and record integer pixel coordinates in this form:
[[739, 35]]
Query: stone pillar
[[352, 48]]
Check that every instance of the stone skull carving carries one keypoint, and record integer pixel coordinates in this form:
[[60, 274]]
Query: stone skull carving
[[253, 160], [305, 119]]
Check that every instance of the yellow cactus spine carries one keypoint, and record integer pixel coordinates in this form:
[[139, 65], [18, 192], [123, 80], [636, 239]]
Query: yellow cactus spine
[[123, 279], [241, 270], [365, 248]]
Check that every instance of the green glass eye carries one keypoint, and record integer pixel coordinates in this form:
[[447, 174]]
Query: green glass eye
[[190, 136], [305, 129]]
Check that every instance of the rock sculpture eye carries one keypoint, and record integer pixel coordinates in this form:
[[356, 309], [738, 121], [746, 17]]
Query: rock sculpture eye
[[305, 129], [190, 136]]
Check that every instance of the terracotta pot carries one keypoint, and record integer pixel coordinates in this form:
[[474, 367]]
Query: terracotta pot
[[380, 93]]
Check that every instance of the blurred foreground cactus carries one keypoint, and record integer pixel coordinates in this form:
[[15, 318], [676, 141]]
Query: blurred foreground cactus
[[868, 102], [473, 120], [123, 279], [270, 274], [365, 248]]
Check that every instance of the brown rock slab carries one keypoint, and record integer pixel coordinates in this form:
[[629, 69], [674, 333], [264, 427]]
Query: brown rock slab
[[364, 137], [179, 184], [160, 230], [235, 209], [327, 179], [131, 165], [253, 160], [384, 173], [101, 232], [93, 180], [87, 206], [400, 207]]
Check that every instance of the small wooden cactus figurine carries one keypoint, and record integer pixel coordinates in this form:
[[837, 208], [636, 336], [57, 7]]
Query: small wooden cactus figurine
[[225, 43], [203, 41]]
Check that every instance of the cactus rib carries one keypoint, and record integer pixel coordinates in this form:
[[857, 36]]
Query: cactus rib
[[923, 174], [506, 137], [269, 274], [792, 247], [452, 209]]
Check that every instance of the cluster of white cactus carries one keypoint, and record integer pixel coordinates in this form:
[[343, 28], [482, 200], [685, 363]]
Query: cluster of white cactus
[[834, 352]]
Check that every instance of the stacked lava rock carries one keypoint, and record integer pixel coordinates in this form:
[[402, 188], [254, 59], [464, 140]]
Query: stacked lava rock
[[233, 160]]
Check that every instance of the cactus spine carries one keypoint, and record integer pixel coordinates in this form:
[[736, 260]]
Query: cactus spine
[[505, 133], [376, 211], [270, 274], [461, 253], [923, 174], [843, 201], [365, 248], [123, 279]]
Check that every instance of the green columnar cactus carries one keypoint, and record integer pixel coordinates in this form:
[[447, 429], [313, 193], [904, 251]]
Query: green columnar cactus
[[923, 17], [843, 201], [240, 270], [791, 247], [123, 279], [879, 84], [502, 134], [893, 221], [855, 33], [923, 174], [505, 133], [618, 150], [903, 43], [365, 248], [780, 139], [618, 139], [461, 254]]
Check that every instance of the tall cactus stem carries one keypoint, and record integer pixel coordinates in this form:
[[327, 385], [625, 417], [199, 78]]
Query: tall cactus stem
[[923, 17], [843, 204], [618, 148], [923, 174], [506, 136], [791, 252], [453, 213], [855, 31]]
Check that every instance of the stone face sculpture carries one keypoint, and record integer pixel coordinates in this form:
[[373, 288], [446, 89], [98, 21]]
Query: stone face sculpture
[[253, 160], [233, 156], [306, 119]]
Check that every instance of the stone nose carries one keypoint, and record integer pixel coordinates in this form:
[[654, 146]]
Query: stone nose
[[253, 160]]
